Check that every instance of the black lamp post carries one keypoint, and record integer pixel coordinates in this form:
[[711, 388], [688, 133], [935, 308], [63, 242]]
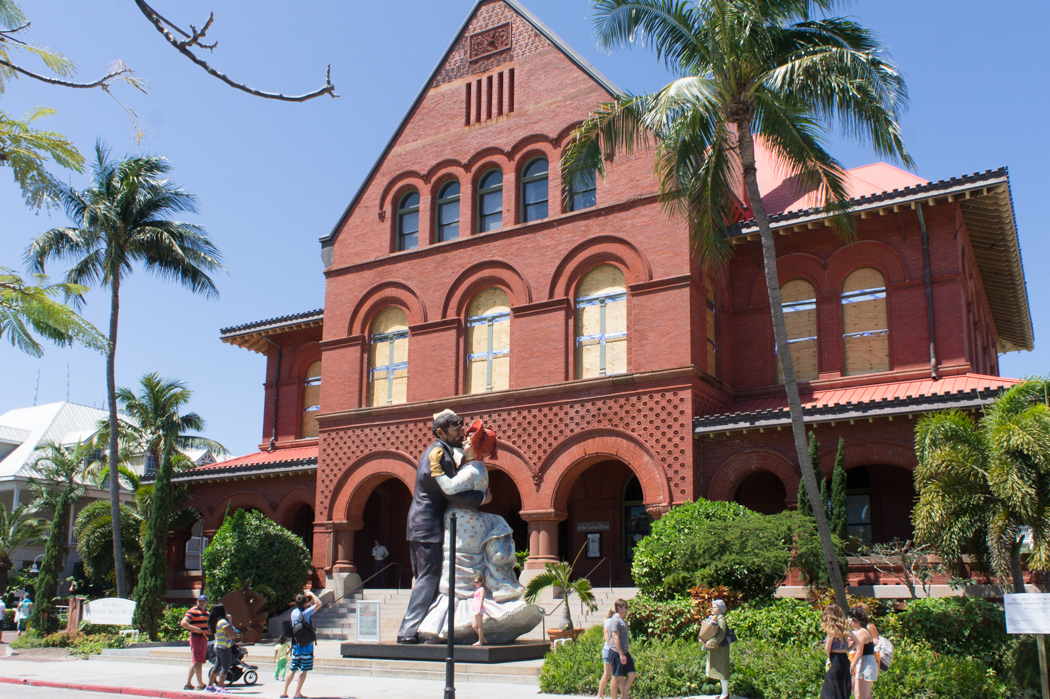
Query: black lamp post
[[450, 651]]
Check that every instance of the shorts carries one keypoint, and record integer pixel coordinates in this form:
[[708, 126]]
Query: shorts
[[198, 648], [223, 660], [22, 624], [622, 669], [607, 655], [867, 668], [302, 661]]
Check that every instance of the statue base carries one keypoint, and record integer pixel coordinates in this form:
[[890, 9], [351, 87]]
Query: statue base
[[435, 652]]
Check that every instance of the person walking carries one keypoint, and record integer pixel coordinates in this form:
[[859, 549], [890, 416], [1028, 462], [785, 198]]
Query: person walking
[[220, 627], [865, 669], [837, 640], [379, 554], [607, 653], [3, 610], [717, 649], [478, 607], [306, 605], [622, 662], [280, 658], [22, 613], [195, 620]]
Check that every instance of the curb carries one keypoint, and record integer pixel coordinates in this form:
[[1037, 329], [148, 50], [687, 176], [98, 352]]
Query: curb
[[105, 689]]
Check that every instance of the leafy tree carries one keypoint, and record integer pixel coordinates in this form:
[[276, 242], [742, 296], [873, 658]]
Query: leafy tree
[[19, 529], [749, 68], [251, 548], [26, 309], [25, 149], [982, 484], [62, 472], [122, 219], [559, 575], [837, 499], [805, 507]]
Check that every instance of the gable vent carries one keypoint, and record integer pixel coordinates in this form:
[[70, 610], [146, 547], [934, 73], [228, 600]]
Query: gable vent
[[489, 96]]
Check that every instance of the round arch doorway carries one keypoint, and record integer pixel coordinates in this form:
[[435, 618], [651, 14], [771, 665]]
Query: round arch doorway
[[385, 518]]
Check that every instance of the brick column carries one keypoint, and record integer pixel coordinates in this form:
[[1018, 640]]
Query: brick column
[[543, 540], [344, 573]]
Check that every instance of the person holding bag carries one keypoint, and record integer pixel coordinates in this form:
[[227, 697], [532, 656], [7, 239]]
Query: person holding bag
[[718, 647]]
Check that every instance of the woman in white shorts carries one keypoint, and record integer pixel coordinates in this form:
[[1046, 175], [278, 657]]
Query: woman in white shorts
[[864, 667], [607, 654]]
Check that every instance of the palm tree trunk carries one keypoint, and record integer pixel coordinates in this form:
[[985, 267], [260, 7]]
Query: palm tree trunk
[[114, 450], [746, 145], [1015, 567]]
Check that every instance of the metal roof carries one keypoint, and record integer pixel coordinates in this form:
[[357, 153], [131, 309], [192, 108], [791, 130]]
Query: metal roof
[[251, 335], [260, 463]]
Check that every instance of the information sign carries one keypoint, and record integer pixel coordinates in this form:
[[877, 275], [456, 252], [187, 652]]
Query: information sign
[[1027, 613], [367, 621], [111, 610]]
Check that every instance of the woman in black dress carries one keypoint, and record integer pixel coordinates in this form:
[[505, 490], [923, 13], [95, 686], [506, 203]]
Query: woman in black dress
[[837, 632]]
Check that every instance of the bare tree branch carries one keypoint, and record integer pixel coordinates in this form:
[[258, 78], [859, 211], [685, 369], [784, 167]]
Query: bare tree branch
[[102, 82], [193, 38]]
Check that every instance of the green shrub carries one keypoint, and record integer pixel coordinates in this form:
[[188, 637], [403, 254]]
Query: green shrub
[[29, 639], [919, 672], [169, 629], [768, 670], [958, 626], [93, 645], [666, 621], [780, 622], [251, 548], [8, 623]]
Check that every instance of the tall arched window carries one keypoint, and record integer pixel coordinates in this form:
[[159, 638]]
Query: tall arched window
[[311, 400], [534, 191], [601, 323], [490, 201], [408, 221], [388, 377], [712, 331], [448, 212], [488, 342], [800, 316], [865, 331], [585, 194]]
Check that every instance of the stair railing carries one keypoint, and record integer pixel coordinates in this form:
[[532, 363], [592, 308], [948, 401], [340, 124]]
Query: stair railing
[[361, 585]]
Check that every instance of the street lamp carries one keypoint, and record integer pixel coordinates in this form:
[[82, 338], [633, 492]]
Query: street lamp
[[35, 570]]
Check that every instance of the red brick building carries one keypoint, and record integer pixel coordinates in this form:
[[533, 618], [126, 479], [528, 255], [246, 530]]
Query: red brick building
[[621, 377]]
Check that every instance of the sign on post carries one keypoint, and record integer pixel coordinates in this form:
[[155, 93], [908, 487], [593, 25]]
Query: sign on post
[[1027, 613], [111, 610], [367, 621]]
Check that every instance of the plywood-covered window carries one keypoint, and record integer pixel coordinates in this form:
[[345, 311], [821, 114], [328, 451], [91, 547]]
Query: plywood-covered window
[[865, 330], [800, 316], [388, 377], [311, 400], [488, 342], [712, 332], [601, 323]]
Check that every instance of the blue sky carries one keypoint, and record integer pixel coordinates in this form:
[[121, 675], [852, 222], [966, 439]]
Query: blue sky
[[273, 177]]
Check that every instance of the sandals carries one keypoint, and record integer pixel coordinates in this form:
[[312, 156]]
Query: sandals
[[188, 687]]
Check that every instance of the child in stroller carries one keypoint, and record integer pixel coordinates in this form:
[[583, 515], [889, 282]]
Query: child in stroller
[[238, 670]]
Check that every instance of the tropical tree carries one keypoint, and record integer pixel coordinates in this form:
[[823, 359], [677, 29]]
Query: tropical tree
[[157, 429], [558, 575], [28, 308], [122, 219], [983, 484], [25, 149], [61, 474], [750, 69], [837, 499], [19, 529]]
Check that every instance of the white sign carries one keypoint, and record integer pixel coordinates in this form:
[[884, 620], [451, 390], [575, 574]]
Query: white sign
[[1027, 613], [111, 610], [367, 621]]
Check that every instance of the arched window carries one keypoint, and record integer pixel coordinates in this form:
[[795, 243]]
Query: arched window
[[865, 330], [800, 316], [388, 377], [637, 523], [488, 342], [534, 191], [490, 201], [601, 323], [448, 212], [408, 221], [585, 194], [712, 331], [311, 400]]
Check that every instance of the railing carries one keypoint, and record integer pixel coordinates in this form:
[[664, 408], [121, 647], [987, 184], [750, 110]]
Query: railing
[[607, 560], [361, 584]]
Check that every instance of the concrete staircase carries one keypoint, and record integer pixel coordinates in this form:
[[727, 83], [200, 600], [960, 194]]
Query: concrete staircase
[[338, 621]]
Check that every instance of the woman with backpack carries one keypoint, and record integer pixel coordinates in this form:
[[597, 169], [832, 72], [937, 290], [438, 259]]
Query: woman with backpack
[[303, 637], [718, 647]]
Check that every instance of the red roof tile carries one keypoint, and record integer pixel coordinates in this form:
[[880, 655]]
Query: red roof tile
[[261, 458]]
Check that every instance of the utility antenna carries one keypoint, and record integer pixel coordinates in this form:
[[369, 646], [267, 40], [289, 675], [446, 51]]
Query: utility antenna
[[36, 393]]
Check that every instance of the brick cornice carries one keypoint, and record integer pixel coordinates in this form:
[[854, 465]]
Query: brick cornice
[[341, 342], [433, 326], [665, 284], [540, 307], [544, 515]]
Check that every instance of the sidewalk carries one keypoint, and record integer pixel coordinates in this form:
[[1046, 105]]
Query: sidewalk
[[167, 681]]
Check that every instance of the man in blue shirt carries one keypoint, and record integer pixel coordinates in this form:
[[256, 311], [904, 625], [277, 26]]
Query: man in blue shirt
[[302, 655]]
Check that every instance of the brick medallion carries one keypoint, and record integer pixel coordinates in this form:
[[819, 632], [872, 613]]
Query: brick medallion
[[490, 41]]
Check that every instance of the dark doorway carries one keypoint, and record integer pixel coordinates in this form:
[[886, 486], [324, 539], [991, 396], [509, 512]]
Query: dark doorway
[[303, 526], [385, 517], [762, 492]]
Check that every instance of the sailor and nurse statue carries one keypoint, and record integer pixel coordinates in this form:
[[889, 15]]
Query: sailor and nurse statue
[[452, 479]]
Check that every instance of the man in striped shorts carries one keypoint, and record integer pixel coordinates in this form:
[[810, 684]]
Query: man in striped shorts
[[302, 653], [196, 622]]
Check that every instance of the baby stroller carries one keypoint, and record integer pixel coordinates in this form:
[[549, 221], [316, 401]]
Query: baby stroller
[[238, 669]]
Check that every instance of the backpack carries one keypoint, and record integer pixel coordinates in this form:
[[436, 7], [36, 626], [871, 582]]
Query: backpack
[[729, 638], [885, 650], [303, 632]]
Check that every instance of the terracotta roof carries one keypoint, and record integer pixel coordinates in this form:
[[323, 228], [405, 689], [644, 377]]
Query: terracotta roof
[[250, 335], [878, 400], [294, 459]]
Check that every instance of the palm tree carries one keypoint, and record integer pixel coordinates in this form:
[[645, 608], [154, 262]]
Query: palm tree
[[28, 308], [983, 484], [557, 575], [123, 219], [158, 430], [749, 68], [20, 529], [61, 472]]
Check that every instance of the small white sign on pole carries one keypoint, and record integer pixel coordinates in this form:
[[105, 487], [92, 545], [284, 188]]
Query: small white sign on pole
[[111, 610], [367, 621], [1027, 613]]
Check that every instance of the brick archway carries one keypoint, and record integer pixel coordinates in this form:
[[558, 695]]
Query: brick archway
[[481, 276], [351, 491], [602, 249], [733, 472], [383, 296], [290, 503], [887, 453]]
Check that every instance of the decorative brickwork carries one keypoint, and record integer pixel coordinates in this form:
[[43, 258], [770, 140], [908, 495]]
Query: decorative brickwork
[[524, 41], [490, 41]]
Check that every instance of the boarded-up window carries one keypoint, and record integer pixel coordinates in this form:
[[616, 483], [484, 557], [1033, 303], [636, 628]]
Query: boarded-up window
[[865, 330], [389, 360], [488, 342], [712, 332], [601, 323], [800, 316], [311, 400]]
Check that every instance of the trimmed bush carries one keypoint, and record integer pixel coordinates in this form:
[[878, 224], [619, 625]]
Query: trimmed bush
[[781, 622], [918, 671], [665, 621], [958, 626], [251, 548], [168, 629], [767, 670]]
